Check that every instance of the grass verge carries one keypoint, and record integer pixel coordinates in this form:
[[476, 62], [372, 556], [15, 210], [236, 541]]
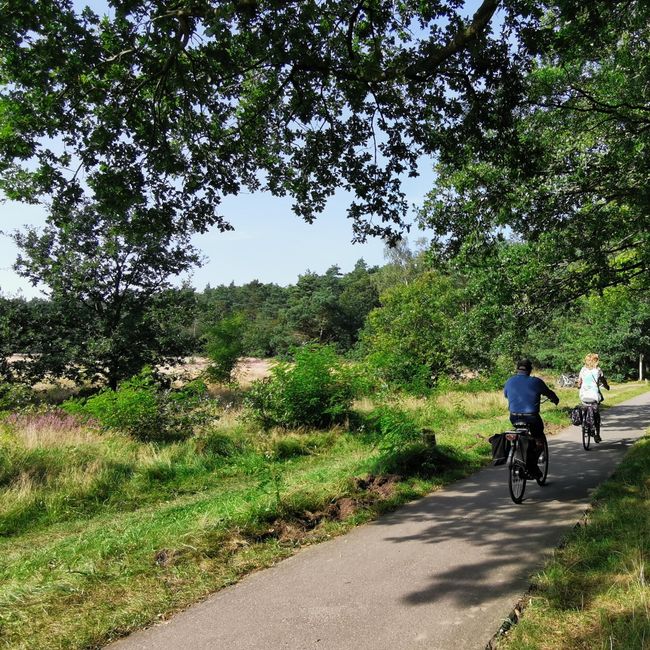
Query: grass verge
[[594, 593]]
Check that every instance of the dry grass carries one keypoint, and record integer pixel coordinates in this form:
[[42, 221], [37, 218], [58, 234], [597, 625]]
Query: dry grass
[[52, 428]]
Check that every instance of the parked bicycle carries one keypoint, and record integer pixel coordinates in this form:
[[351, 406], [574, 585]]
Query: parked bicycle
[[568, 380], [519, 438]]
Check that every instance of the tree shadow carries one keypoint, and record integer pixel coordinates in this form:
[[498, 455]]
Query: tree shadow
[[475, 517]]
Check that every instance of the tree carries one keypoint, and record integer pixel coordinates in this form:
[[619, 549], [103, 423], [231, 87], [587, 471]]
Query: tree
[[615, 324], [108, 279], [358, 297], [175, 106], [571, 173], [314, 312], [410, 338]]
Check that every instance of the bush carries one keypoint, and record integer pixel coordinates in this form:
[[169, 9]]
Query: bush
[[395, 428], [141, 410], [405, 449], [316, 391], [14, 396]]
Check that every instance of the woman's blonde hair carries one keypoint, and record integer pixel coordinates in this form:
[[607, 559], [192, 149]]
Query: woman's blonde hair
[[591, 360]]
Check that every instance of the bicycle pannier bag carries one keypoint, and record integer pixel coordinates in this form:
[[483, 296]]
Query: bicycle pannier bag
[[576, 415], [500, 448]]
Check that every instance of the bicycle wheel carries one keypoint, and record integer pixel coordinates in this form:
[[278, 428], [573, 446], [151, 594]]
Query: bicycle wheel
[[542, 463], [586, 435], [517, 482]]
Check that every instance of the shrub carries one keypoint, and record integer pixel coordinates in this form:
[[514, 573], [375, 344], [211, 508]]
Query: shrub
[[141, 410], [395, 428], [316, 391], [14, 396], [405, 449], [224, 345]]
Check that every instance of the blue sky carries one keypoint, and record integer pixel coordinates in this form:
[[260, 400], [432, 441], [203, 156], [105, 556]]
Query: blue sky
[[269, 243]]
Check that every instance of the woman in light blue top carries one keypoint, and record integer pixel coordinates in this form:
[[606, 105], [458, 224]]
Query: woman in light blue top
[[590, 380]]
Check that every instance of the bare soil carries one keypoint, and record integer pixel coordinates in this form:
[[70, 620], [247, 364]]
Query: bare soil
[[247, 370]]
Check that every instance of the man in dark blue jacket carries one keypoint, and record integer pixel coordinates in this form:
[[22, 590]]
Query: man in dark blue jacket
[[524, 393]]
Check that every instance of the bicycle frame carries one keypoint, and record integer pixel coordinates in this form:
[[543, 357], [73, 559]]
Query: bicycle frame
[[517, 470]]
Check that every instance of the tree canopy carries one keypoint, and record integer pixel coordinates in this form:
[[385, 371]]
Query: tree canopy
[[112, 307], [172, 106], [571, 174]]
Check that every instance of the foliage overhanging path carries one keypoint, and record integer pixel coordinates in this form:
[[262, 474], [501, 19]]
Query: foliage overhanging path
[[441, 572]]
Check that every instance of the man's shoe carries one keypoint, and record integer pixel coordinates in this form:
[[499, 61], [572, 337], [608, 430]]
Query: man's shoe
[[597, 438]]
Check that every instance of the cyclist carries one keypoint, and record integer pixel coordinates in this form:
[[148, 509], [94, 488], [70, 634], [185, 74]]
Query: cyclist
[[523, 393], [590, 379]]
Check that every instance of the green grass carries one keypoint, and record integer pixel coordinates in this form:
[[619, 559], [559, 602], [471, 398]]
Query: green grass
[[594, 593], [101, 534]]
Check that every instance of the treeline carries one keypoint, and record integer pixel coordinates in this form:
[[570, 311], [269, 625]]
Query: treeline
[[417, 321], [330, 308], [68, 336]]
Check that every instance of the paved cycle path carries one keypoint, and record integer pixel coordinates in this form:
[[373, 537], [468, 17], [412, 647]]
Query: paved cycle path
[[440, 573]]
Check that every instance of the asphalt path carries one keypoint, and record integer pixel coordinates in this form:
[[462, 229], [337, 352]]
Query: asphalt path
[[439, 573]]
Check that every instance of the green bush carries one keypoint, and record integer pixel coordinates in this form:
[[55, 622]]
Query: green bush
[[316, 391], [15, 396], [394, 427], [139, 408]]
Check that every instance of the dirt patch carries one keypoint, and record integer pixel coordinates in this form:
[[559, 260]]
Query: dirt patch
[[292, 529], [383, 485], [344, 508], [166, 557], [247, 370]]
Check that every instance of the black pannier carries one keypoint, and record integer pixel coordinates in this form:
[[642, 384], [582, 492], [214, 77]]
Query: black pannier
[[500, 448], [576, 415]]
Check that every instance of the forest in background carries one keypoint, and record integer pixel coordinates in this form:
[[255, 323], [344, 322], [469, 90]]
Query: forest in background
[[415, 322]]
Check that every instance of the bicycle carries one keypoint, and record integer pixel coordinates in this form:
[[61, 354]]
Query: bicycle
[[568, 380], [590, 425], [516, 463]]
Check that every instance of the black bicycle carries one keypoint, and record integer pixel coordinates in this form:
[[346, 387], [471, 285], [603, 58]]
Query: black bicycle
[[516, 463], [590, 423]]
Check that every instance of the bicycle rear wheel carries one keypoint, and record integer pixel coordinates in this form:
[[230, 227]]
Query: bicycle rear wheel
[[517, 482], [542, 463], [586, 436]]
